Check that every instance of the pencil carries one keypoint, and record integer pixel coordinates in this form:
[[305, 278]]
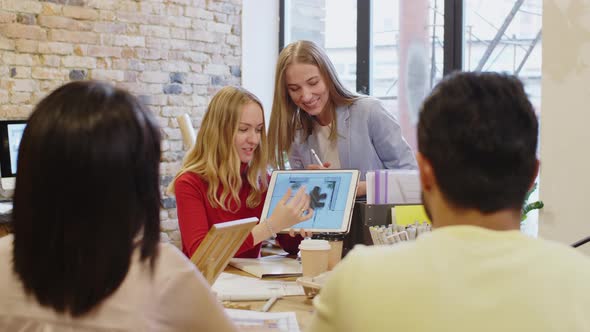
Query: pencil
[[315, 155]]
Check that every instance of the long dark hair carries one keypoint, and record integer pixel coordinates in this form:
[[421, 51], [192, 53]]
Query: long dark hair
[[86, 195]]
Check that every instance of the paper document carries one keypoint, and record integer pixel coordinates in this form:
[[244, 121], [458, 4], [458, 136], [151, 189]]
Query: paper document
[[393, 187], [247, 320], [275, 266], [233, 287]]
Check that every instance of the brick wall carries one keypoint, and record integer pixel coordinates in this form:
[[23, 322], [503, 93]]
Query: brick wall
[[173, 54]]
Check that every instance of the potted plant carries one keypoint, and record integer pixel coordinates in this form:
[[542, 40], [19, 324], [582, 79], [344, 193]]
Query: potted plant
[[528, 207]]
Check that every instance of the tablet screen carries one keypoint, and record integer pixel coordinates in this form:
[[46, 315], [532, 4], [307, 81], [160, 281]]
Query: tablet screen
[[332, 194]]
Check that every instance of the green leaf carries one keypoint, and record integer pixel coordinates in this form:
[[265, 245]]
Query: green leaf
[[529, 207]]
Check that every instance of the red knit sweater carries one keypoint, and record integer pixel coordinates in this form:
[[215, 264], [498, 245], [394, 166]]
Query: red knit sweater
[[196, 216]]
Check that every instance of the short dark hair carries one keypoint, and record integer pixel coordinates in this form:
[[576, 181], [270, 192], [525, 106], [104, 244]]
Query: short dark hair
[[87, 194], [479, 132]]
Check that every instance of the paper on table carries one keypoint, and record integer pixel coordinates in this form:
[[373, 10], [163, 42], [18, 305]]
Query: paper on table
[[276, 266], [263, 321], [233, 287]]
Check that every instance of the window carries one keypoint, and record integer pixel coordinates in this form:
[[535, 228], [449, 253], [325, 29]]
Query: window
[[406, 56], [397, 50], [330, 24], [402, 66], [505, 36]]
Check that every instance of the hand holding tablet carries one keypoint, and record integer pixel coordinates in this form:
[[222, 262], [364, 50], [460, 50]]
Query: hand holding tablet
[[331, 196], [291, 210]]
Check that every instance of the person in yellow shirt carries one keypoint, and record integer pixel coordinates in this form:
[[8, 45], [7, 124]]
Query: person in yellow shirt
[[477, 141]]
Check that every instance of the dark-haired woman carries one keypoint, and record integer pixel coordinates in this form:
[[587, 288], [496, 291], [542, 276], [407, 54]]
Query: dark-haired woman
[[85, 254]]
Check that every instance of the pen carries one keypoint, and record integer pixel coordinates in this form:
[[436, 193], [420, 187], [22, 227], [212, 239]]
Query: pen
[[315, 155], [269, 303]]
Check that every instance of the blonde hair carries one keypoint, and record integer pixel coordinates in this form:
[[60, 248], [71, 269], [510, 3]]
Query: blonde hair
[[214, 156], [285, 117]]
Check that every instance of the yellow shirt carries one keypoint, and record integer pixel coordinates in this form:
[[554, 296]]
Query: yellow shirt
[[458, 278]]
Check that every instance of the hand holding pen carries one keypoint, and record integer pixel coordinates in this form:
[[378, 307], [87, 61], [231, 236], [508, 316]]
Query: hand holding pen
[[320, 164]]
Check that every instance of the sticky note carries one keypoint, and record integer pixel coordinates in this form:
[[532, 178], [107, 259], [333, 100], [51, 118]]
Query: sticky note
[[405, 215]]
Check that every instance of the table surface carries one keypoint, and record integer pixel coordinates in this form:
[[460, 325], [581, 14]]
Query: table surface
[[301, 305]]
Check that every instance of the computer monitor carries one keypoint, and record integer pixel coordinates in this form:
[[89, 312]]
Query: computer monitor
[[11, 132]]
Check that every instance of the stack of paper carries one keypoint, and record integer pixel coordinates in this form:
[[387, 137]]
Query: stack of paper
[[232, 287], [393, 187], [275, 266], [247, 320]]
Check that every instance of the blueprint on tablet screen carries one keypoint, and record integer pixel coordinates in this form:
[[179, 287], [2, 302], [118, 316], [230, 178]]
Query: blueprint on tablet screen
[[328, 193]]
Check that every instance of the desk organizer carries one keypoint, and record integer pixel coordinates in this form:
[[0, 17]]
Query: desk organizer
[[364, 216]]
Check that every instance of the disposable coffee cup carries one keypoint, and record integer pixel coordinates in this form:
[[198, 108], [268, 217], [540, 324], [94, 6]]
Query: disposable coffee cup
[[314, 256], [336, 241], [335, 254]]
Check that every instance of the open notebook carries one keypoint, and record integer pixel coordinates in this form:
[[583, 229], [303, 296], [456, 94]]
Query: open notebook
[[275, 266]]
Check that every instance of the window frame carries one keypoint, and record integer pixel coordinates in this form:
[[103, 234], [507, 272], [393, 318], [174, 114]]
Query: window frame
[[452, 48]]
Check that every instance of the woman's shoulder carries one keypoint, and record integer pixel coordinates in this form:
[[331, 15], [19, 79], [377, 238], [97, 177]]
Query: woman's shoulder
[[6, 243], [364, 103], [171, 266], [364, 108], [171, 257], [189, 183], [190, 178]]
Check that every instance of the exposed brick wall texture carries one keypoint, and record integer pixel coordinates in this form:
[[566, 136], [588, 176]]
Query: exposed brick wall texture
[[173, 54]]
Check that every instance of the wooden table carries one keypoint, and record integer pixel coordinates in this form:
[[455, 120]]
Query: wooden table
[[301, 305]]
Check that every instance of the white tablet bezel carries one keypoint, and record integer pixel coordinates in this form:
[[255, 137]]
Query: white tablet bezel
[[347, 216]]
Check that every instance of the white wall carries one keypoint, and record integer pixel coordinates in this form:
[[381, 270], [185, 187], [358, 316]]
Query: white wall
[[260, 48], [565, 117]]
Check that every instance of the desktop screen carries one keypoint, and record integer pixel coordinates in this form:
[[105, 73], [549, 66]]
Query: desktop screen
[[11, 132], [15, 133]]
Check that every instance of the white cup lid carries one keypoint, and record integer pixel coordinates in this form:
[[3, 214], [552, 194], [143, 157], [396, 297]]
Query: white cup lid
[[312, 244]]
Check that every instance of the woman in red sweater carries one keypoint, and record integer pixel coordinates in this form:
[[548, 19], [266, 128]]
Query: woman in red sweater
[[224, 177]]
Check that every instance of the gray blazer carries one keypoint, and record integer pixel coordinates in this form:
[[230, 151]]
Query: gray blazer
[[369, 138]]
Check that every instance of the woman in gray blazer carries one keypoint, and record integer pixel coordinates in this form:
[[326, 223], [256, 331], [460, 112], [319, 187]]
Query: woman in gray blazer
[[313, 114]]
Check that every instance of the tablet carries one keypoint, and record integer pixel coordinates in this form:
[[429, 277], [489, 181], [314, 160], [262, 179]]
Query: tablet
[[332, 195]]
